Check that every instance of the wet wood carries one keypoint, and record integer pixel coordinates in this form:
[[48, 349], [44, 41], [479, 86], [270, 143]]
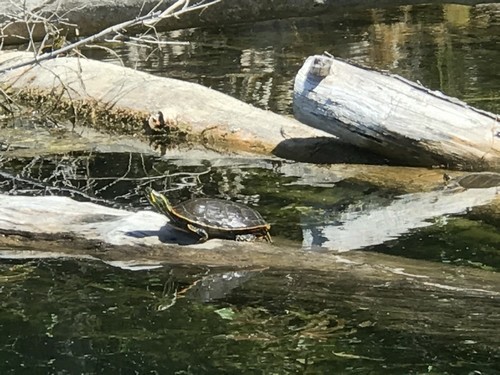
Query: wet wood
[[394, 117]]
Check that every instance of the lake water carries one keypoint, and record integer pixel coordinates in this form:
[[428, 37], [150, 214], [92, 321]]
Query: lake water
[[67, 316]]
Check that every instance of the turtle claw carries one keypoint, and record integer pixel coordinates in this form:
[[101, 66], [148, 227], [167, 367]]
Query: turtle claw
[[267, 237]]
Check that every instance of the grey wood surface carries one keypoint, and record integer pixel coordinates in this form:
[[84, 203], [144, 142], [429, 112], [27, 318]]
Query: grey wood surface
[[394, 117]]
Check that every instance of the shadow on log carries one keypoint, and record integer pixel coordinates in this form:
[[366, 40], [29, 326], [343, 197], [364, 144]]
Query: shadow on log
[[394, 117], [325, 150]]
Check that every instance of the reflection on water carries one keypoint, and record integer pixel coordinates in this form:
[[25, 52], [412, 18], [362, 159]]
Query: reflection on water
[[450, 47], [378, 224], [75, 317], [322, 210]]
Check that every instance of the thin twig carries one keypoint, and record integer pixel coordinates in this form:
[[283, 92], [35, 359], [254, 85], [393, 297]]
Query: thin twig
[[147, 19]]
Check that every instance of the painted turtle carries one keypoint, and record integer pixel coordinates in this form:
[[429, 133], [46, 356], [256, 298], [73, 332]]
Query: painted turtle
[[212, 218]]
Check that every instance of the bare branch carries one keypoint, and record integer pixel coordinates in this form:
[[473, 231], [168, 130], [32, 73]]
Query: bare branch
[[148, 40], [148, 20]]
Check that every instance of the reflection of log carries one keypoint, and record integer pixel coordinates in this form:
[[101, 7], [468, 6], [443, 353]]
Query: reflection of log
[[394, 117], [380, 224], [398, 294]]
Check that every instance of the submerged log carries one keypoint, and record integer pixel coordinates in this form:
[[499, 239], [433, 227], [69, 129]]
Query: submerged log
[[394, 117]]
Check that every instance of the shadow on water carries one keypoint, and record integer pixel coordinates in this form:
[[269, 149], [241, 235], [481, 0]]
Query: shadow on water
[[325, 150]]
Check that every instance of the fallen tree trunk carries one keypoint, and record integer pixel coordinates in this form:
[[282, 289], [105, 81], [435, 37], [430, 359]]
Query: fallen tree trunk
[[143, 238], [394, 117], [119, 100]]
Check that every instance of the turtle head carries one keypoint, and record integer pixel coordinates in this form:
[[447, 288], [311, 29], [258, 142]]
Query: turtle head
[[159, 201]]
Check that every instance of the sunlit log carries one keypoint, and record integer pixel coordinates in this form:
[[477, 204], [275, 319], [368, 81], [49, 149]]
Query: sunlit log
[[394, 117]]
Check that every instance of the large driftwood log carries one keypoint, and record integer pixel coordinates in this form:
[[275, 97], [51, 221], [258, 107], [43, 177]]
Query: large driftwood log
[[394, 117], [119, 99]]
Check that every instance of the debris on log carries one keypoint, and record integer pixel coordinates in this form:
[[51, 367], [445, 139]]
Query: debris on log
[[394, 117]]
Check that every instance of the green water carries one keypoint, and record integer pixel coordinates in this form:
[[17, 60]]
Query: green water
[[70, 317], [63, 316], [451, 48], [67, 316]]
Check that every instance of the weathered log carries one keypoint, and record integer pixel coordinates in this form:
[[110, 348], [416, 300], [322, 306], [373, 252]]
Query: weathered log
[[119, 99], [394, 117], [360, 294], [143, 238]]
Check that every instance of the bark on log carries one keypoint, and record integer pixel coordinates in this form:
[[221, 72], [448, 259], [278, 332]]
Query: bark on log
[[394, 117]]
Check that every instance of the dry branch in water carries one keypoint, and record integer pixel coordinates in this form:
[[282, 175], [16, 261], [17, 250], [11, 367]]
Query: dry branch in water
[[76, 176], [149, 20]]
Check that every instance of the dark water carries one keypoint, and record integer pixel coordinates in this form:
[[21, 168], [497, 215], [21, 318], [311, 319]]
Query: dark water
[[451, 48], [70, 317], [76, 316], [62, 316]]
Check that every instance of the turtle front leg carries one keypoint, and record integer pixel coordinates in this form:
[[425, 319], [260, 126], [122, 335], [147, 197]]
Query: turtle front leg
[[199, 231], [267, 237]]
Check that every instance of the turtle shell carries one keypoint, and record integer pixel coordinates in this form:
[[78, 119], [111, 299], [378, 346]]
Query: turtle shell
[[218, 214]]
